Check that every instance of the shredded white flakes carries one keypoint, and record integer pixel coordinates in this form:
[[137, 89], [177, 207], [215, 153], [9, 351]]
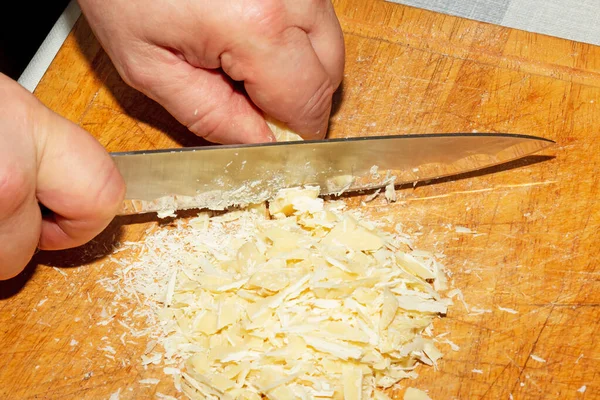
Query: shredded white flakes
[[149, 381], [477, 371], [108, 349], [169, 213], [390, 193], [537, 358], [153, 358], [63, 273], [479, 311], [303, 300], [459, 294], [463, 229], [171, 371], [162, 396], [582, 389], [508, 310], [374, 171], [116, 395], [452, 345], [372, 196]]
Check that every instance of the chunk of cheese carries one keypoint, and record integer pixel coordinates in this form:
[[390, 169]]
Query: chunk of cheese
[[281, 131]]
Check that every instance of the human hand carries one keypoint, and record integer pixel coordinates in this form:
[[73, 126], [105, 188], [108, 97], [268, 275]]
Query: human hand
[[46, 159], [184, 54]]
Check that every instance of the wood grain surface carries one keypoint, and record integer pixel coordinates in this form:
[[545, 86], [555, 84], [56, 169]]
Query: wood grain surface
[[408, 71]]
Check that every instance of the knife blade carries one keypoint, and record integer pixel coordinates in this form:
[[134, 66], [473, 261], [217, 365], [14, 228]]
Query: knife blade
[[222, 176]]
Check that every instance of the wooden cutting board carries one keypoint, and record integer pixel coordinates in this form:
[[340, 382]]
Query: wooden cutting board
[[408, 71]]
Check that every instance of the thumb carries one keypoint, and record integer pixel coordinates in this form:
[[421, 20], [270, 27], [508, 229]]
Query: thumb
[[46, 159], [19, 212], [76, 179]]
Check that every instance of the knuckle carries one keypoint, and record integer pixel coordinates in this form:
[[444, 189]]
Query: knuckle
[[133, 75], [214, 119], [265, 17], [233, 67], [319, 104], [110, 192], [206, 124], [95, 198]]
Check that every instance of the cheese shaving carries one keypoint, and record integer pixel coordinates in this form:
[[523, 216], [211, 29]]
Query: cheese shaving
[[116, 395], [508, 310], [415, 394], [463, 229], [390, 192], [168, 213], [307, 301], [281, 131], [537, 358], [162, 396], [149, 381]]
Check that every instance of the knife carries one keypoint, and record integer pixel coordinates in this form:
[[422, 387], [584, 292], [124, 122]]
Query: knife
[[223, 176]]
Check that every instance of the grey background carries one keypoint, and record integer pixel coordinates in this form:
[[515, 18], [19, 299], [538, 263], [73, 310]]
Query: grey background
[[577, 20]]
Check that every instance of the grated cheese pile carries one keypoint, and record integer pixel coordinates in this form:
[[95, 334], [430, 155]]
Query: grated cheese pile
[[303, 300]]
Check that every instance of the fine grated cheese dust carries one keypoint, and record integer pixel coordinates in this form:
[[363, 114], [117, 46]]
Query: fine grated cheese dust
[[305, 300]]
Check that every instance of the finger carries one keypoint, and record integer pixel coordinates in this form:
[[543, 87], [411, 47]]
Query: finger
[[203, 100], [285, 78], [76, 179], [318, 19], [19, 213]]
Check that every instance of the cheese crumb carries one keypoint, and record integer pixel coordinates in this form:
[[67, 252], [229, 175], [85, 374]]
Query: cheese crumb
[[372, 196], [281, 131], [149, 381], [582, 389], [374, 172], [162, 396], [168, 213], [463, 229], [390, 193], [537, 358], [116, 395], [415, 394]]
